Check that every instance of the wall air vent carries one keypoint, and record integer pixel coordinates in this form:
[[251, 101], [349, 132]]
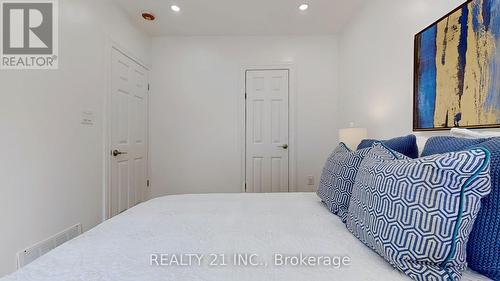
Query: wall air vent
[[34, 252]]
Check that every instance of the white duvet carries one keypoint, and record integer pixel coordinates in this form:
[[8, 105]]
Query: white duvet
[[121, 248]]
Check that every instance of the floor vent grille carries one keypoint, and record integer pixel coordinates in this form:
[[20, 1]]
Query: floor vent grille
[[34, 252]]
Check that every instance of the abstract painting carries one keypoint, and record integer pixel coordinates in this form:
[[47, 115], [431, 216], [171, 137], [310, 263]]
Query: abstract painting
[[457, 69]]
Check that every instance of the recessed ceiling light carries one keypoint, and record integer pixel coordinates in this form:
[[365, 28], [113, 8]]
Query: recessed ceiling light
[[148, 16], [175, 8], [303, 7]]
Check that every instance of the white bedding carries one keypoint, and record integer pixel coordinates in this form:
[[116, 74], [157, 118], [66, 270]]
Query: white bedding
[[120, 249]]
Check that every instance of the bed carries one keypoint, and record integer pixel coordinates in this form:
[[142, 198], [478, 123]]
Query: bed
[[127, 246]]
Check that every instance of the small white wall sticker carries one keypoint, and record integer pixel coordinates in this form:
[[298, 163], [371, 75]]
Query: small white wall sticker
[[88, 118]]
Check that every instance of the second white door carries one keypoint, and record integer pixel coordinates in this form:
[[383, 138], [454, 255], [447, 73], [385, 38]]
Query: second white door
[[267, 131], [129, 122]]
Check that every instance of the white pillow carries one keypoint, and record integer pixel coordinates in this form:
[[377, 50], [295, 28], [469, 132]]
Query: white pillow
[[469, 134], [421, 141]]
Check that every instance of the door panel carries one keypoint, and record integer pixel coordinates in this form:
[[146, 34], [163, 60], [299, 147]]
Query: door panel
[[257, 179], [267, 131], [128, 133], [123, 185], [140, 170], [258, 111]]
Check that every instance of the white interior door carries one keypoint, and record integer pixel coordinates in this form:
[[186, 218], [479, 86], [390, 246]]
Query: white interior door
[[129, 111], [267, 131]]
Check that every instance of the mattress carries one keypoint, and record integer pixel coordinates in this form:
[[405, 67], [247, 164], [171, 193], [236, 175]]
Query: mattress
[[235, 236]]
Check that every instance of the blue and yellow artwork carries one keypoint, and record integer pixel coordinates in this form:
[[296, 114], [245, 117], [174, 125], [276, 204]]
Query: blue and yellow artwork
[[457, 69]]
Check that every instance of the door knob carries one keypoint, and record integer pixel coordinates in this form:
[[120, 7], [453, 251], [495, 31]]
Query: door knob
[[285, 146], [116, 152]]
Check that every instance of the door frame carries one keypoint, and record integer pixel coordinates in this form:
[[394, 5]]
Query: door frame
[[292, 119], [107, 158]]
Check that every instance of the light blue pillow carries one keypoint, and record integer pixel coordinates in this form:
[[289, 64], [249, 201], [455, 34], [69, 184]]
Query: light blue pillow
[[338, 177], [418, 213]]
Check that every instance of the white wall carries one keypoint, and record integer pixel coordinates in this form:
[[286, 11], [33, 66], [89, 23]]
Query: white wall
[[51, 173], [196, 90], [376, 62]]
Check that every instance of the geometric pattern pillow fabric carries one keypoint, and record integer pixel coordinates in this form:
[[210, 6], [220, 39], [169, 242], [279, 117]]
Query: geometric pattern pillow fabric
[[418, 213], [483, 249], [338, 177], [406, 145]]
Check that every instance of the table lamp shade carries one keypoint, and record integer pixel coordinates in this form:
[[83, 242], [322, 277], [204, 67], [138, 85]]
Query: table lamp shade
[[352, 136]]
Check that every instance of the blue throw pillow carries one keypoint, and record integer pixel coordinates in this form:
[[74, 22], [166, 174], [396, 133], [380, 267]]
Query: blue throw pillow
[[337, 179], [418, 213], [406, 145], [483, 249]]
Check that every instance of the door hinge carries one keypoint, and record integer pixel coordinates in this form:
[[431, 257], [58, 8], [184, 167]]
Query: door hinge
[[245, 187], [148, 86], [245, 95], [147, 183]]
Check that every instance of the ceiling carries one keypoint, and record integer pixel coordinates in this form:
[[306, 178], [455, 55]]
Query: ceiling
[[242, 17]]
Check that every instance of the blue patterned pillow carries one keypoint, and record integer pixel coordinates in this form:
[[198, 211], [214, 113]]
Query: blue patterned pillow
[[418, 213], [483, 249], [406, 145], [338, 177]]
